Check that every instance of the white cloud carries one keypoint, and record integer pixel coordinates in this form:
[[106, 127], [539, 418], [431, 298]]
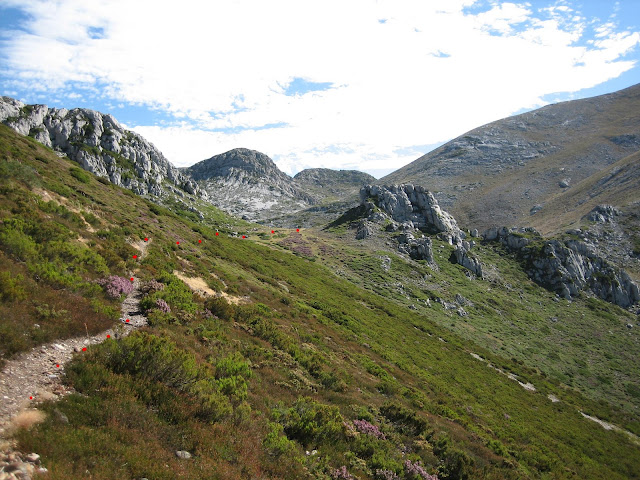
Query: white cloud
[[225, 65]]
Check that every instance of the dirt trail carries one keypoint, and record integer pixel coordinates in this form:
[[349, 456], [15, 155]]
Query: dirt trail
[[37, 375]]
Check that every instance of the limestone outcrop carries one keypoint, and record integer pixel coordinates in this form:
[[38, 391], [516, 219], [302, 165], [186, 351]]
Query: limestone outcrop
[[415, 211], [567, 266], [100, 145]]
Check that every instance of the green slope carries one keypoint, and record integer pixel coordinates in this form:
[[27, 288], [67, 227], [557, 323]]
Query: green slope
[[248, 388]]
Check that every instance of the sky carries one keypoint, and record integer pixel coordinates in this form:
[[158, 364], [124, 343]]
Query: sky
[[369, 85]]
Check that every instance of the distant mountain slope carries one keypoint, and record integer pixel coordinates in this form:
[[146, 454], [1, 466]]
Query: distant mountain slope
[[100, 145], [499, 173], [332, 185], [248, 183]]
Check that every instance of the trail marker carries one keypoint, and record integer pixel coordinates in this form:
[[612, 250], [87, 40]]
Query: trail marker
[[146, 239], [297, 229], [177, 243], [243, 236], [217, 233], [272, 231], [84, 349], [199, 241], [57, 365], [108, 336], [30, 398], [127, 320], [135, 256], [132, 279]]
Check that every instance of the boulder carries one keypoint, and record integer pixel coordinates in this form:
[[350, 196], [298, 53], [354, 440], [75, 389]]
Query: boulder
[[364, 230]]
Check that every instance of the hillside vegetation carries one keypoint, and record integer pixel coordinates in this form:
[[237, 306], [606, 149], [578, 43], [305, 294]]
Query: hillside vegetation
[[310, 347]]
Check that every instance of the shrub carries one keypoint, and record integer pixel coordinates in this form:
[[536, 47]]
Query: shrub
[[309, 421], [80, 175], [220, 307], [405, 420], [417, 471], [276, 442], [11, 288], [386, 475], [368, 429], [342, 474], [163, 306], [116, 286], [154, 358], [18, 243]]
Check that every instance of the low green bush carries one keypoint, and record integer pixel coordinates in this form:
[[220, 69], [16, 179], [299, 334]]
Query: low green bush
[[80, 175]]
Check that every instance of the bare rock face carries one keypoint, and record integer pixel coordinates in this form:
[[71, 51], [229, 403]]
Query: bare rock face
[[406, 203], [364, 230], [413, 208], [248, 183], [462, 256], [416, 248], [568, 267], [603, 214], [99, 144]]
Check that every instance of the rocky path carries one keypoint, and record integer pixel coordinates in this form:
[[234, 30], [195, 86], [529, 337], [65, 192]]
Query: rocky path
[[37, 375]]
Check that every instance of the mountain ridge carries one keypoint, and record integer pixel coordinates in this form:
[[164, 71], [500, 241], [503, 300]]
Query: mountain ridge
[[495, 174], [100, 145]]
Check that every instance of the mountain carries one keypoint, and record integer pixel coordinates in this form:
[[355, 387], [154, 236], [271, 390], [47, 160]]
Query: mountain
[[292, 354], [333, 185], [248, 183], [504, 172], [100, 145]]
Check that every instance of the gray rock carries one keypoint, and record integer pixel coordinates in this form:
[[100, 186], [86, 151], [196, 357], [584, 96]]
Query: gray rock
[[364, 230], [603, 214], [99, 144], [183, 454], [535, 209], [565, 183], [462, 256], [568, 267], [409, 203]]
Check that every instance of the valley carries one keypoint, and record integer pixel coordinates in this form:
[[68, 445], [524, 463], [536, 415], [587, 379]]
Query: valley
[[276, 317]]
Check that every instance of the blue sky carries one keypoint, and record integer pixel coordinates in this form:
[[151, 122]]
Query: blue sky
[[365, 84]]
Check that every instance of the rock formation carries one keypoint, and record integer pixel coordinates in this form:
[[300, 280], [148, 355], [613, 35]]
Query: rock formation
[[413, 209], [406, 203], [568, 266], [100, 145]]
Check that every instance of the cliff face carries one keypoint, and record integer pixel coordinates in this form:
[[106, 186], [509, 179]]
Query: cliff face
[[100, 145]]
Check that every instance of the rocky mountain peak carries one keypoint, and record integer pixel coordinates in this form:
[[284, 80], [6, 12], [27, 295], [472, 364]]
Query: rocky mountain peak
[[100, 145], [239, 162], [249, 184]]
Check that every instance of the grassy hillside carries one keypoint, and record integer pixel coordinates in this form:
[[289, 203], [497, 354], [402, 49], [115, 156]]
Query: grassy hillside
[[305, 351]]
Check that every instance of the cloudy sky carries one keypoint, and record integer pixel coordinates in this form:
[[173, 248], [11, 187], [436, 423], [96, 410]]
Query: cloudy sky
[[359, 84]]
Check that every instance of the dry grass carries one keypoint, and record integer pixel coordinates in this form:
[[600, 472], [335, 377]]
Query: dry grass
[[27, 419]]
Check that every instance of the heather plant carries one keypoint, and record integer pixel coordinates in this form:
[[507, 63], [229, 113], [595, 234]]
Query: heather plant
[[415, 470], [368, 429], [163, 306], [152, 286], [386, 475], [342, 473], [115, 286]]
